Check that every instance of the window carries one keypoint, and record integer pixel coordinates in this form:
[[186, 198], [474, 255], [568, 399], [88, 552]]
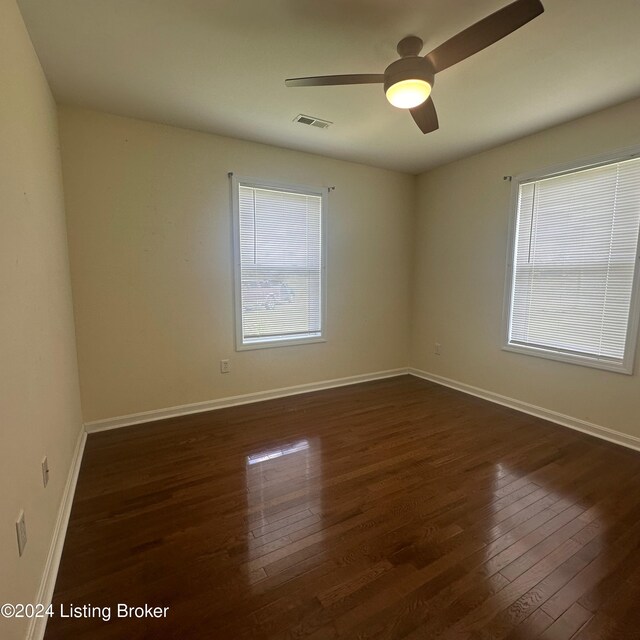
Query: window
[[279, 264], [573, 272]]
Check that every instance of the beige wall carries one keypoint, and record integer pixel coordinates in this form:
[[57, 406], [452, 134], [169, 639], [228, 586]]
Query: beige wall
[[460, 248], [39, 397], [150, 245]]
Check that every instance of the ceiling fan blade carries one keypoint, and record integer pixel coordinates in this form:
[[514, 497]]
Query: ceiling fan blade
[[323, 81], [484, 33], [425, 116]]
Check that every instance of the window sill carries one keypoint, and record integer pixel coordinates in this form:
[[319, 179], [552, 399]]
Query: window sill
[[568, 358], [270, 344]]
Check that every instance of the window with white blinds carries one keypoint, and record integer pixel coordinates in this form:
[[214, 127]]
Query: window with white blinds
[[574, 272], [279, 264]]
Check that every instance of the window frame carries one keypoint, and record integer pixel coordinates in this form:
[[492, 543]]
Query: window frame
[[627, 364], [322, 192]]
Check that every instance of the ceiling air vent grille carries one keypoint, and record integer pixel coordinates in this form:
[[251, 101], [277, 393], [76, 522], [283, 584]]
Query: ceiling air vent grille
[[312, 122]]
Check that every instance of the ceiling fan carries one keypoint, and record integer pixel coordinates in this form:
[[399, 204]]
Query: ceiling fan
[[409, 80]]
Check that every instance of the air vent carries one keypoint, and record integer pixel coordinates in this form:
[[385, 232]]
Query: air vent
[[312, 122]]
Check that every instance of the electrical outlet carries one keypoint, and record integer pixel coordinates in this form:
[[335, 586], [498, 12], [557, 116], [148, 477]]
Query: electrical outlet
[[45, 471], [21, 531], [436, 348], [225, 366]]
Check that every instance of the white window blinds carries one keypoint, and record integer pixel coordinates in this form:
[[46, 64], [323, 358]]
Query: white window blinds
[[280, 280], [575, 259]]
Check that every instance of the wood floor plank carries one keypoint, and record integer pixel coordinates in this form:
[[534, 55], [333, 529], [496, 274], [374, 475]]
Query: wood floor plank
[[568, 624], [531, 627], [391, 509]]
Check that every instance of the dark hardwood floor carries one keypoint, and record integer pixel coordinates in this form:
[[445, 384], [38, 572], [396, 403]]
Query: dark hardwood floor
[[391, 509]]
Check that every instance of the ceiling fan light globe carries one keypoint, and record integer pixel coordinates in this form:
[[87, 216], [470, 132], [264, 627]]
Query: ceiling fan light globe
[[407, 94]]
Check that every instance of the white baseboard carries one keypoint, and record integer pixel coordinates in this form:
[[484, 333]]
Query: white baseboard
[[37, 626], [232, 401], [546, 414]]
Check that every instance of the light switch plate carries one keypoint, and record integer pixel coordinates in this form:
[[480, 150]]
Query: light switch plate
[[21, 531]]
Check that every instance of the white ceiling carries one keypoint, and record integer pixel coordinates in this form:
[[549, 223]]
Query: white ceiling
[[220, 65]]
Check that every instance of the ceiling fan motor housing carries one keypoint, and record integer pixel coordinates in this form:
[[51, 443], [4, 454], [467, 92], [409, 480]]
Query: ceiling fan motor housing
[[409, 68]]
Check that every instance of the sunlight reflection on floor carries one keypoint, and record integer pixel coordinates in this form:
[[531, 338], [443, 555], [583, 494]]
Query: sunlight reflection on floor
[[275, 523]]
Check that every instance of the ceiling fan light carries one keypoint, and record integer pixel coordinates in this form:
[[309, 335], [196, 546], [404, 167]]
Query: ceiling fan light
[[407, 94]]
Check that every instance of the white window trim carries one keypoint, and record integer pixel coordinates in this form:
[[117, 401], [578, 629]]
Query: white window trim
[[267, 343], [627, 364]]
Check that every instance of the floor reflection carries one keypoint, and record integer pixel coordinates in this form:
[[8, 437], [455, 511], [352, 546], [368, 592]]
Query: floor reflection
[[284, 500], [263, 456]]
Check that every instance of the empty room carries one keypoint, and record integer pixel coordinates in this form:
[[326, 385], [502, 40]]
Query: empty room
[[319, 320]]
